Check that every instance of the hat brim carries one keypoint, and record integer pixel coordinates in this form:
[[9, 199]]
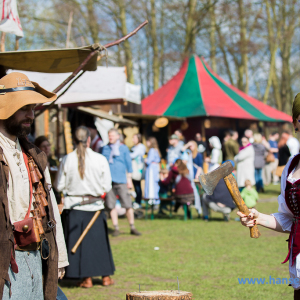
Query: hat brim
[[13, 101]]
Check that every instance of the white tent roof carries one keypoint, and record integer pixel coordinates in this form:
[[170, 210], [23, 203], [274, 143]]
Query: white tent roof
[[103, 84]]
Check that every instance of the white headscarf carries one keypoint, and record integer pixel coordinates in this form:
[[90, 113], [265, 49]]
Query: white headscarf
[[215, 142]]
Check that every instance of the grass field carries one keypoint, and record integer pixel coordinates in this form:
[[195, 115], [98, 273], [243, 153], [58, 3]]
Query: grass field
[[208, 258]]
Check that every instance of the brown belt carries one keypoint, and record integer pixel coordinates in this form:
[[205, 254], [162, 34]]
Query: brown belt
[[30, 247], [90, 200]]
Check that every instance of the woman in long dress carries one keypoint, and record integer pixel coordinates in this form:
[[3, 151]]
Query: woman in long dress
[[84, 177], [245, 163], [260, 152], [152, 171], [288, 216], [137, 155], [216, 157]]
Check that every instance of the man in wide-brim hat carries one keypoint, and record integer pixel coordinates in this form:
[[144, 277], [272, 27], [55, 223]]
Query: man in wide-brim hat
[[27, 271]]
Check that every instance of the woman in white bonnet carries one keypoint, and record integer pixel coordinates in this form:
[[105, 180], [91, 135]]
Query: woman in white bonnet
[[216, 155]]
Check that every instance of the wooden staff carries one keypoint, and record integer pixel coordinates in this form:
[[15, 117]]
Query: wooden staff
[[86, 230], [95, 51]]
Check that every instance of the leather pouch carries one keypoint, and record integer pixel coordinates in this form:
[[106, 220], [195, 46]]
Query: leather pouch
[[24, 232]]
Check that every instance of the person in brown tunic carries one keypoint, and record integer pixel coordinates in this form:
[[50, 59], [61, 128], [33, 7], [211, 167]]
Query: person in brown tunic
[[32, 247]]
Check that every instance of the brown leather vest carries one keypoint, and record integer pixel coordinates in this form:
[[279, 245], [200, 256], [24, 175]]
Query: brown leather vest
[[50, 266]]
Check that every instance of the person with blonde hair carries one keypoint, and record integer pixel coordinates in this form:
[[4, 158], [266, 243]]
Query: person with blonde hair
[[84, 177], [249, 194], [260, 152]]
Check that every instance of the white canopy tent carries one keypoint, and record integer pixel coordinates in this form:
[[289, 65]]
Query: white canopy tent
[[103, 86]]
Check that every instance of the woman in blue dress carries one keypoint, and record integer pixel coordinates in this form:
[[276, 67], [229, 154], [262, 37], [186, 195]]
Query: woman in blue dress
[[152, 171]]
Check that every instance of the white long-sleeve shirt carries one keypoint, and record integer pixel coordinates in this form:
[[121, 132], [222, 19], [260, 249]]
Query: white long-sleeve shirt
[[96, 180], [285, 219], [18, 192]]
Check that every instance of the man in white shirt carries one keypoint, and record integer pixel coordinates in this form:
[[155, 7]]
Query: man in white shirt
[[25, 275], [293, 144]]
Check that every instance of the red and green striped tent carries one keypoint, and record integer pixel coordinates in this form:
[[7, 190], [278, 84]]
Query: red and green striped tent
[[197, 91]]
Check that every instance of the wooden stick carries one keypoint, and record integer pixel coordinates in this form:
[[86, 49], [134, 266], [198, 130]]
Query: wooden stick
[[95, 51], [86, 230], [237, 198], [124, 38]]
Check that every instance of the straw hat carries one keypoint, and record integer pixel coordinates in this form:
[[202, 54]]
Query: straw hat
[[16, 91]]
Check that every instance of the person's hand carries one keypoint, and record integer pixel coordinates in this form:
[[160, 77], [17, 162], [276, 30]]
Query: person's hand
[[251, 219], [61, 273], [199, 172], [129, 183]]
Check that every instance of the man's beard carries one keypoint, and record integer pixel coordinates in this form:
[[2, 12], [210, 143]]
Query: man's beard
[[15, 128]]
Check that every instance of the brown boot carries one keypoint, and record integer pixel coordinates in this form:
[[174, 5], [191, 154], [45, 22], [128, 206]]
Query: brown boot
[[135, 232], [106, 281], [86, 283]]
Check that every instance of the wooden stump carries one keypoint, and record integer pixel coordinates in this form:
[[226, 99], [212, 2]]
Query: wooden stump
[[159, 295]]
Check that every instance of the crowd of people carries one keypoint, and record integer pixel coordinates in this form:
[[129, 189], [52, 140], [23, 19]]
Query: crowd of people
[[36, 243], [257, 161]]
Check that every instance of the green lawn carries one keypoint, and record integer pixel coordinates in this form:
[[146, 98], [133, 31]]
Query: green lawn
[[208, 258]]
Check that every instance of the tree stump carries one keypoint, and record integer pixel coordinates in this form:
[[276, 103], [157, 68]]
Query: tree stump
[[159, 295]]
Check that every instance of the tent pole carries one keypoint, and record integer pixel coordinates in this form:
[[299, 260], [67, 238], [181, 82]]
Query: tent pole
[[203, 131], [46, 123], [57, 132]]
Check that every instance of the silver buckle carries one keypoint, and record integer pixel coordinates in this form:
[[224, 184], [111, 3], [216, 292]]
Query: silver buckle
[[51, 224]]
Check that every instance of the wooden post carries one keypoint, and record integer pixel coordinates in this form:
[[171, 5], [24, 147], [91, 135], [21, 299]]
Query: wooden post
[[2, 43], [46, 123], [203, 131], [159, 295], [57, 133], [17, 44]]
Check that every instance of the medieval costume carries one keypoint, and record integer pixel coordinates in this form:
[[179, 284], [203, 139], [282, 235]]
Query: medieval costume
[[96, 143], [288, 215], [94, 256], [245, 165], [216, 156], [30, 256], [152, 176], [287, 218]]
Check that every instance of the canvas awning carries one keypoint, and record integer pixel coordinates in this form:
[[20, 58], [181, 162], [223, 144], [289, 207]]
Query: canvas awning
[[104, 115], [197, 91], [106, 85], [137, 116], [49, 61]]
